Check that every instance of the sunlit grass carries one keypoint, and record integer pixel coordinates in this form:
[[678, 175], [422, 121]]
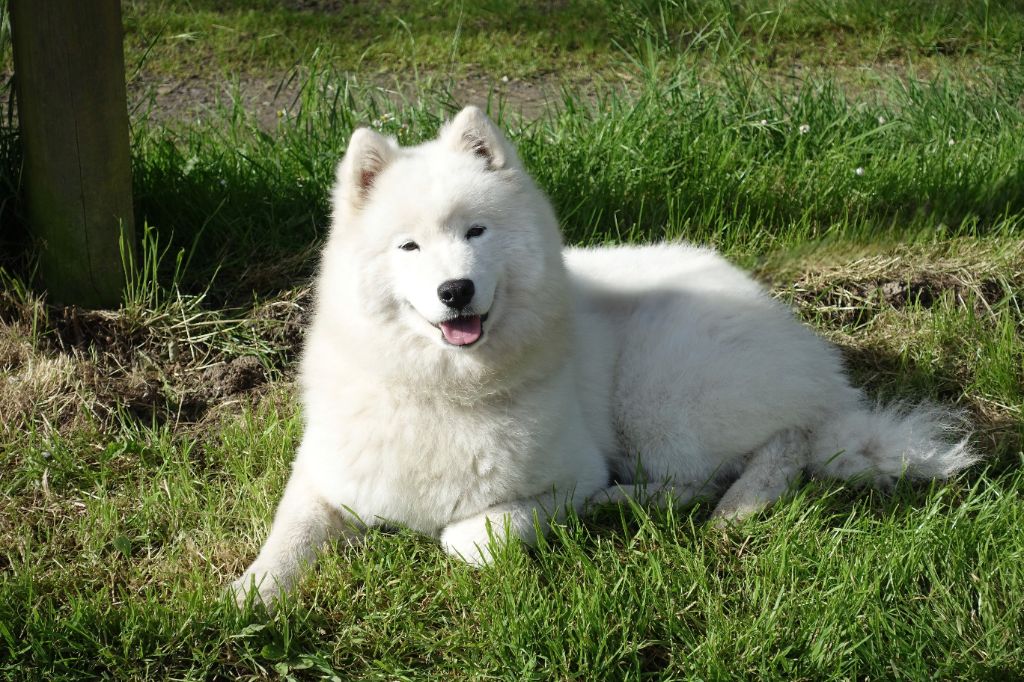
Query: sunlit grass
[[577, 39]]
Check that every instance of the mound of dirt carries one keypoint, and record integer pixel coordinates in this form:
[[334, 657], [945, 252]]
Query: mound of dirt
[[237, 376]]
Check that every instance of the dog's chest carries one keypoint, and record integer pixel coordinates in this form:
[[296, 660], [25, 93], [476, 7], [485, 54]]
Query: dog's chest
[[424, 464]]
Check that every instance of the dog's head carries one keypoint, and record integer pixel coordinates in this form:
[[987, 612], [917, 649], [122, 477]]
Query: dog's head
[[447, 252]]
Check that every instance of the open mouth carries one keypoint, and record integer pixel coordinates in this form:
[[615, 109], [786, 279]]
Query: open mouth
[[464, 330]]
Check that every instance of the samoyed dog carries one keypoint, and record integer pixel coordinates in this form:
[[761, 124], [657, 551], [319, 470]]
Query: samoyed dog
[[468, 377]]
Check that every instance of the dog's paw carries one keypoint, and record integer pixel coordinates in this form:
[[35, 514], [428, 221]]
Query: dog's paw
[[470, 541], [259, 587]]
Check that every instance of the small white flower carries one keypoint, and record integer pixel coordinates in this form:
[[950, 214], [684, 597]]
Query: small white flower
[[881, 120], [764, 121], [375, 123], [860, 171], [804, 128], [951, 142], [504, 79], [387, 118]]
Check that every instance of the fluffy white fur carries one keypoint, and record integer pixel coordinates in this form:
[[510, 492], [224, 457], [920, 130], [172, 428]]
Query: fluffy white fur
[[654, 364]]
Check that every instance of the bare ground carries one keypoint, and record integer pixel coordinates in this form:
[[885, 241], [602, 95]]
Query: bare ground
[[271, 96]]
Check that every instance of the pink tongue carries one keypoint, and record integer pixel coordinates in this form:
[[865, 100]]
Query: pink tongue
[[462, 330]]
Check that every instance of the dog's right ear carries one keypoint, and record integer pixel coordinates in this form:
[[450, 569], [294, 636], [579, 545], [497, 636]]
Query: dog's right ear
[[367, 155]]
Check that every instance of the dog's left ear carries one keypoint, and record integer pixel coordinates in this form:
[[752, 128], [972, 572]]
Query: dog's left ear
[[473, 132]]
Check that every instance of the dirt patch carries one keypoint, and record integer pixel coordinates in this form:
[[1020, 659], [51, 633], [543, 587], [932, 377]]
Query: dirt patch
[[272, 98], [236, 376], [857, 302], [197, 99], [115, 364], [110, 332]]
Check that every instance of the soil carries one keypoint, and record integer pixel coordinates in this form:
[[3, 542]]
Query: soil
[[108, 364], [270, 97]]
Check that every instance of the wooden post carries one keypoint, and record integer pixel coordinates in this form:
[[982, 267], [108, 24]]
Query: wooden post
[[72, 109]]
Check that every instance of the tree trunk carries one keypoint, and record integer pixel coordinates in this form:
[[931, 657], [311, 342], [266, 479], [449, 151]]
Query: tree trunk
[[72, 109]]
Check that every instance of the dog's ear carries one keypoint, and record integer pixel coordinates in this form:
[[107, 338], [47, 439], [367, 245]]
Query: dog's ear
[[471, 131], [367, 155]]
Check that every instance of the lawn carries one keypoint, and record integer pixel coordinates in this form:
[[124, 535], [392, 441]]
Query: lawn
[[864, 159]]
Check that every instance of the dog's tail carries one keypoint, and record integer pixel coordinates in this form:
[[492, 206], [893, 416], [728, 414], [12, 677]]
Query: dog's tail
[[878, 445]]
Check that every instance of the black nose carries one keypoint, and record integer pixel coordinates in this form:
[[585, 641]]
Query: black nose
[[456, 293]]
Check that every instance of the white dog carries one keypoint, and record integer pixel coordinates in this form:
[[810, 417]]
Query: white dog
[[467, 378]]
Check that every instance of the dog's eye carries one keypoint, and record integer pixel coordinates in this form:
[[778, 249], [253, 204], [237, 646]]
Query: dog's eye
[[475, 231], [409, 246]]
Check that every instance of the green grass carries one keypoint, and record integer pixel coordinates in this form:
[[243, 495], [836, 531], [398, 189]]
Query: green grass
[[142, 451], [576, 39]]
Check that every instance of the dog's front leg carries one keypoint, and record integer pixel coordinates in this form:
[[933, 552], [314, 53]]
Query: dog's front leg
[[304, 521], [476, 538]]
